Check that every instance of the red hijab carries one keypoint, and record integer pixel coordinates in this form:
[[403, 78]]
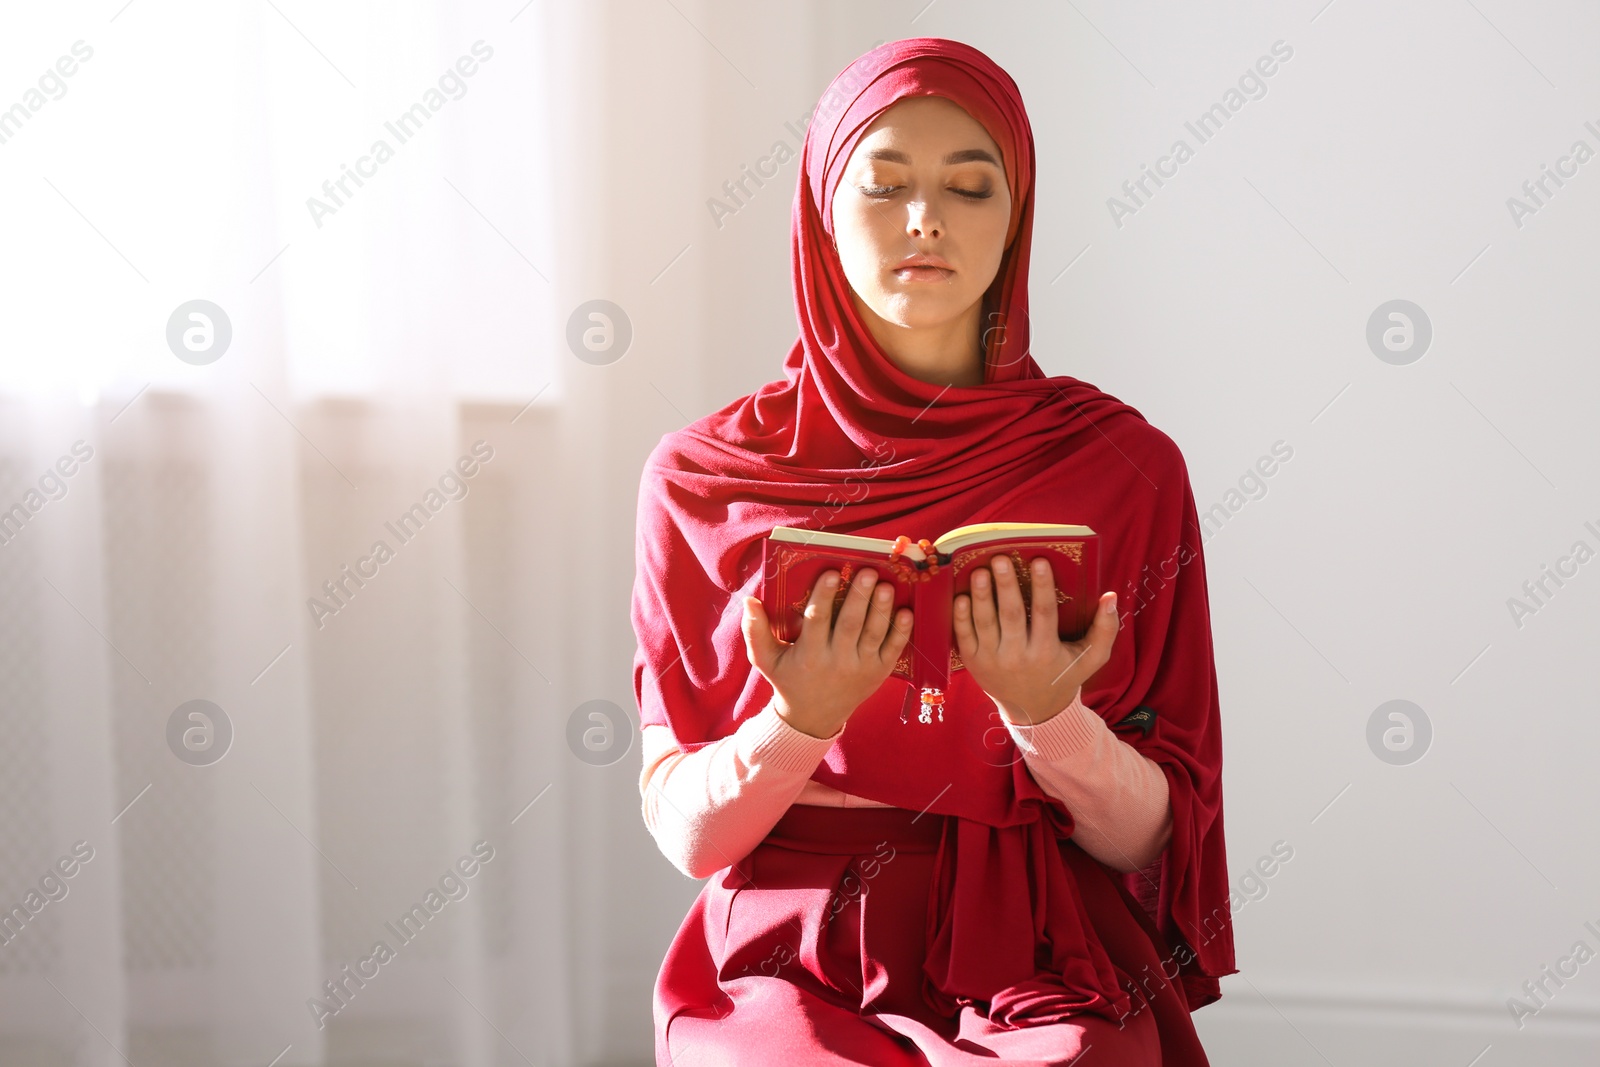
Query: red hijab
[[847, 441]]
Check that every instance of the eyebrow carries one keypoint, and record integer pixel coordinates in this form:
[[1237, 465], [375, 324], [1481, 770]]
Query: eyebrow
[[965, 155]]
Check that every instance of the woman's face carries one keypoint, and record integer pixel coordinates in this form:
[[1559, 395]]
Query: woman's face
[[926, 178]]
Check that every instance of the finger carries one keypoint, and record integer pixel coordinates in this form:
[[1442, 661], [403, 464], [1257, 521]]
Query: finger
[[817, 625], [966, 636], [1013, 615], [983, 613], [1043, 621], [880, 615], [847, 629], [760, 644], [899, 636]]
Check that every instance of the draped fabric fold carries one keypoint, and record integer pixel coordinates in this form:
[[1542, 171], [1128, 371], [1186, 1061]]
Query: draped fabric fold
[[1008, 931], [847, 441]]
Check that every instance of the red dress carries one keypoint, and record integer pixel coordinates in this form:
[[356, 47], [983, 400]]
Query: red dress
[[811, 950]]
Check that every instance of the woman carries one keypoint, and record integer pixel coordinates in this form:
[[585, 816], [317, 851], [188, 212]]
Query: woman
[[1040, 877]]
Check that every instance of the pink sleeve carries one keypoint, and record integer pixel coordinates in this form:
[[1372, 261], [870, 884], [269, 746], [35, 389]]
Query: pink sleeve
[[1117, 797], [709, 808]]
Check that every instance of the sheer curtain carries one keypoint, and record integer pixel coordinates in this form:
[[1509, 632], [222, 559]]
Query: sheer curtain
[[192, 500]]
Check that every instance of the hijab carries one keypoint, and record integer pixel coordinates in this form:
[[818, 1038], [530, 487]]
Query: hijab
[[848, 442]]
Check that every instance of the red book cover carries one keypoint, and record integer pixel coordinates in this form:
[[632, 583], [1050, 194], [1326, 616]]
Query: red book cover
[[793, 559]]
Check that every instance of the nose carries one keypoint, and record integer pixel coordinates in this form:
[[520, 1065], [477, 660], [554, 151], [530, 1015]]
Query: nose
[[921, 222]]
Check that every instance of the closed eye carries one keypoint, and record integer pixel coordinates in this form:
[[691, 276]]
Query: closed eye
[[880, 192]]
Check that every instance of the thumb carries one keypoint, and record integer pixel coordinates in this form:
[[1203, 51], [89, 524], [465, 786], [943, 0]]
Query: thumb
[[1106, 624], [760, 645]]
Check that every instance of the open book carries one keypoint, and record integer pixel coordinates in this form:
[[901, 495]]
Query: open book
[[793, 559]]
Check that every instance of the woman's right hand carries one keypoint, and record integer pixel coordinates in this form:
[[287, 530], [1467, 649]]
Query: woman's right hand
[[822, 677]]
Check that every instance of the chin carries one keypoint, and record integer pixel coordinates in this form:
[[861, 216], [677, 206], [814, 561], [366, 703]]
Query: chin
[[919, 311]]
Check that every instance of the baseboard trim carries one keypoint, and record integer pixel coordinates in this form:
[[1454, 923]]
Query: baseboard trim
[[1567, 1012]]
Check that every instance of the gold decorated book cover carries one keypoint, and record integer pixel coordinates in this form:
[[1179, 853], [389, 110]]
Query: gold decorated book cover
[[928, 581]]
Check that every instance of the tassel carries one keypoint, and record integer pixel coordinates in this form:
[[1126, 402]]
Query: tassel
[[924, 569]]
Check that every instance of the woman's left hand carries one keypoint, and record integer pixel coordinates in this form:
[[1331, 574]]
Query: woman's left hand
[[1028, 670]]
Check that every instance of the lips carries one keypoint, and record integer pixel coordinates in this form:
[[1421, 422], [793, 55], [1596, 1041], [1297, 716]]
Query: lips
[[922, 273], [924, 259], [923, 267]]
